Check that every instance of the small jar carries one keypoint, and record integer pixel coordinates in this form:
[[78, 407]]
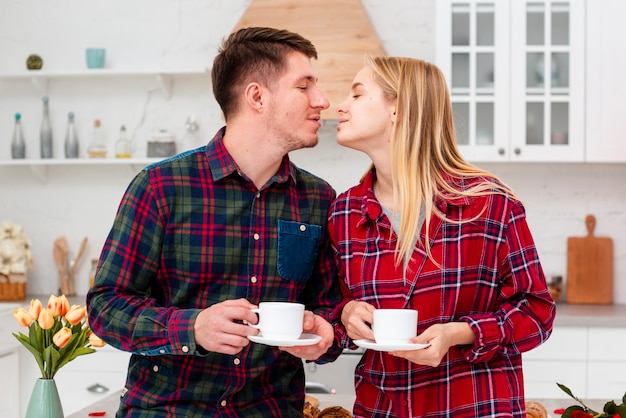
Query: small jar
[[123, 147], [92, 271]]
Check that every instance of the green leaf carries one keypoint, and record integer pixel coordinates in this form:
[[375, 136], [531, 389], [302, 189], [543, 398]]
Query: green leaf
[[610, 408], [571, 409], [35, 336], [566, 390], [36, 353]]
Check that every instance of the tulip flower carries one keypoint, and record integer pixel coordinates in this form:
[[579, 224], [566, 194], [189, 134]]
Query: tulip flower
[[62, 337], [57, 333], [22, 317], [59, 305], [64, 305], [96, 341], [75, 314], [46, 319], [35, 308], [53, 304]]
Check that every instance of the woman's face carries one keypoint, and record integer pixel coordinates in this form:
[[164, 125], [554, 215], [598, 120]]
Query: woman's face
[[366, 116]]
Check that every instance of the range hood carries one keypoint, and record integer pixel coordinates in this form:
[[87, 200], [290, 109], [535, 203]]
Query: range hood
[[340, 30]]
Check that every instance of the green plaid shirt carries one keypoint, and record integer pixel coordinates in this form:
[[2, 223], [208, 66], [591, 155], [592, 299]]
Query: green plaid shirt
[[192, 231]]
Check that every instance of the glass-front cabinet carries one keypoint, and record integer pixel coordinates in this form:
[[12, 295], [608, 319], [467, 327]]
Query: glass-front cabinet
[[515, 70]]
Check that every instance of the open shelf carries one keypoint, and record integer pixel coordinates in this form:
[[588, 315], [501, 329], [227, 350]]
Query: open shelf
[[41, 78]]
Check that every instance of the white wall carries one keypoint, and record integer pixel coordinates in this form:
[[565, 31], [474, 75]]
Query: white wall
[[79, 201]]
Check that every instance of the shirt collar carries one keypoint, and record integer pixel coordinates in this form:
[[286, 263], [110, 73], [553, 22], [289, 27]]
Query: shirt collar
[[372, 210], [222, 164]]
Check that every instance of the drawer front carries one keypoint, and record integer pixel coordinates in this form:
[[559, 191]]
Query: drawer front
[[607, 344], [541, 377], [77, 390], [565, 343]]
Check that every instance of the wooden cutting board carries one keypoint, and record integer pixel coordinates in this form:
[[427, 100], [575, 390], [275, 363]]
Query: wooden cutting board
[[589, 268]]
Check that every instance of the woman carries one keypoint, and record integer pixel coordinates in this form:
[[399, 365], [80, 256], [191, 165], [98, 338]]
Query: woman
[[426, 230]]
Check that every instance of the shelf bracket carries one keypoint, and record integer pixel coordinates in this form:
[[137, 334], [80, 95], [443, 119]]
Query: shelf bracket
[[165, 83], [40, 171], [41, 84]]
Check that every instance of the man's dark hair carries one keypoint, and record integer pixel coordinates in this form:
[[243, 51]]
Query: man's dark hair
[[253, 54]]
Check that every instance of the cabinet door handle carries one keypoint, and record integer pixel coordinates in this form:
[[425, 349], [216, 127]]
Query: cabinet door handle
[[98, 388], [517, 151], [501, 151]]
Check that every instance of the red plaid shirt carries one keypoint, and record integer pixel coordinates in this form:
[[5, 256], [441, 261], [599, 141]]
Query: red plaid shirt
[[490, 277]]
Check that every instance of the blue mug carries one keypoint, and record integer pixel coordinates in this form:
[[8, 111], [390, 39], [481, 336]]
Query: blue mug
[[95, 57]]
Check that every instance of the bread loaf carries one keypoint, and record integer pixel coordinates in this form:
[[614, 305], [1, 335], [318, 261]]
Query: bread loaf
[[535, 410], [334, 412]]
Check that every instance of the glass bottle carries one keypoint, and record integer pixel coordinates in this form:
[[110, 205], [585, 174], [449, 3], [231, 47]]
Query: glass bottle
[[92, 271], [123, 147], [71, 139], [98, 146], [18, 146], [45, 134]]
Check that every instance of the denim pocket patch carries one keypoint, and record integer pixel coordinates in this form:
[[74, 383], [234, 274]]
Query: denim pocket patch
[[298, 246]]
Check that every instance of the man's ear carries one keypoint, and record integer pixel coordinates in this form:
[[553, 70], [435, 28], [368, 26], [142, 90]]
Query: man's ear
[[254, 96]]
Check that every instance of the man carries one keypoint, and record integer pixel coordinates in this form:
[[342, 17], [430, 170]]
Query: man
[[201, 238]]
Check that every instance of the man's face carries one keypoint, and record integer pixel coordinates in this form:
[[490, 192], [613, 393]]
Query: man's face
[[295, 105]]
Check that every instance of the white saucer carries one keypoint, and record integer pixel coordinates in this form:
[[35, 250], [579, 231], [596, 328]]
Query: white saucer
[[305, 339], [389, 347]]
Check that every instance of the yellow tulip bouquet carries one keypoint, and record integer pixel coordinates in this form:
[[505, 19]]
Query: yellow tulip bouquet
[[57, 334]]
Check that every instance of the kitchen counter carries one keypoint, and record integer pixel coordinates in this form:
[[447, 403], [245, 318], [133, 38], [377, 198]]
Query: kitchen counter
[[613, 315], [109, 404], [569, 315]]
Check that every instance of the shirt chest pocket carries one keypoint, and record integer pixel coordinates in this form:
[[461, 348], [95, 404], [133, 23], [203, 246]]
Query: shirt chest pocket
[[298, 246]]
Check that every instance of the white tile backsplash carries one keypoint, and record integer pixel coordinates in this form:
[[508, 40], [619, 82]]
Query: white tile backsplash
[[79, 201]]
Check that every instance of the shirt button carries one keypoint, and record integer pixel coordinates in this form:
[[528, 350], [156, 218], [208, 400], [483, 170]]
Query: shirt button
[[155, 368], [162, 351], [258, 195], [253, 279], [256, 237], [223, 403], [302, 228], [185, 349], [237, 362]]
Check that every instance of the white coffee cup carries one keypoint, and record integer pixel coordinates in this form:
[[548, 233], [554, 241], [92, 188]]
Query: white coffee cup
[[280, 320], [394, 326]]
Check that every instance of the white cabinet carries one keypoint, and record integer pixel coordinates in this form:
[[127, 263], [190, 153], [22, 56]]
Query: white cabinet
[[516, 75], [9, 383], [92, 377], [607, 363], [589, 360], [562, 359], [606, 89]]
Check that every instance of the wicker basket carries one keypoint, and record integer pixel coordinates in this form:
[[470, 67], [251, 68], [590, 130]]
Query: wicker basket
[[12, 287]]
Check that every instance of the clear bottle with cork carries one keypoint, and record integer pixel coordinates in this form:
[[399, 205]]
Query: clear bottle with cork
[[98, 146], [18, 146], [123, 147], [71, 138]]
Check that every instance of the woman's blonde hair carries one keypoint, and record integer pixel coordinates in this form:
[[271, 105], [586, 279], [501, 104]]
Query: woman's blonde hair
[[423, 147]]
